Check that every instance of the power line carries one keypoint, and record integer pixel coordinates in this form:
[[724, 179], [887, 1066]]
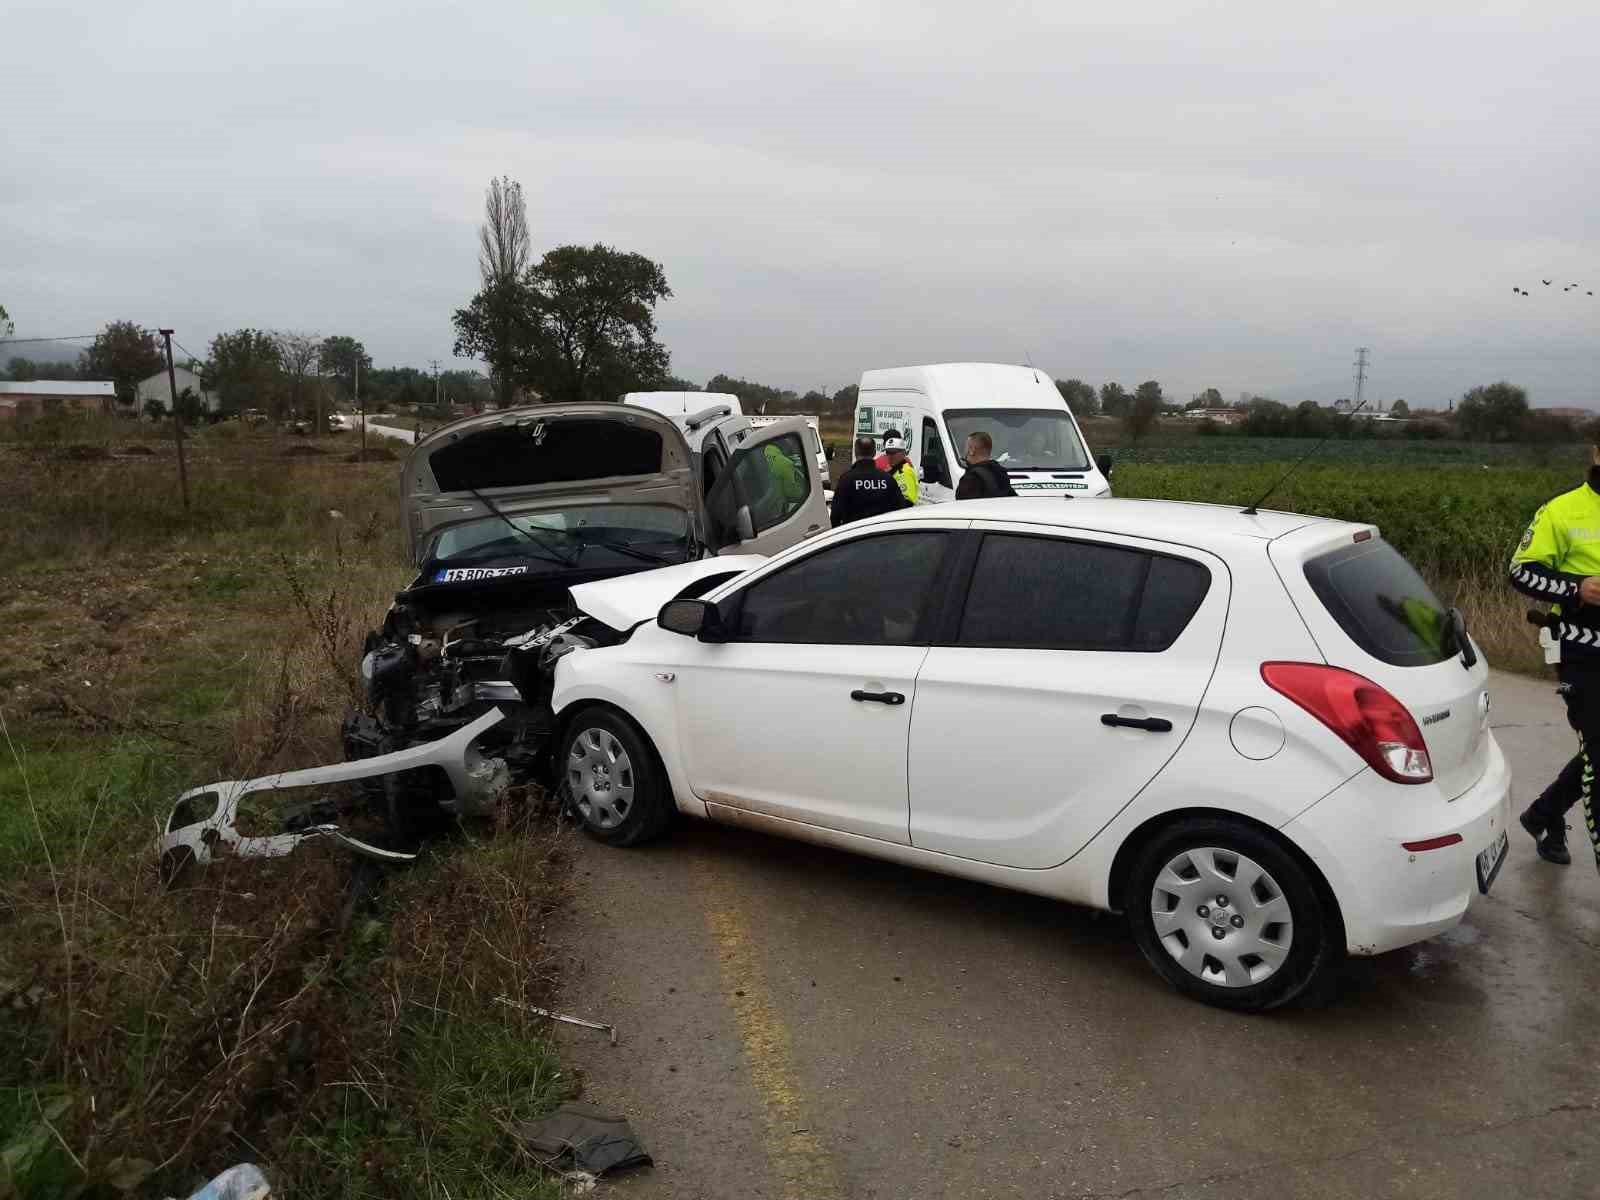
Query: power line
[[76, 337]]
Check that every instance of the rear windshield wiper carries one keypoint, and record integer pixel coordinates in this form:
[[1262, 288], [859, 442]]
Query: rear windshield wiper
[[551, 553]]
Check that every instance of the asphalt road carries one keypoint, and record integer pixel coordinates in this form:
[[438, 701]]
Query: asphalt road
[[796, 1022]]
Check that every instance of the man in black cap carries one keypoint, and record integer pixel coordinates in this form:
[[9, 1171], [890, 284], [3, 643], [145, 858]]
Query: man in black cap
[[864, 490]]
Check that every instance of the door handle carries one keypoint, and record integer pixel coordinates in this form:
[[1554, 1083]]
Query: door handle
[[878, 697], [811, 531], [1148, 724]]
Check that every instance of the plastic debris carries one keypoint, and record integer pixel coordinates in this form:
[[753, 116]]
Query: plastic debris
[[243, 1182]]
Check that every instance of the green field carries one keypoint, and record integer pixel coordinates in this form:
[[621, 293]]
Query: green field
[[1385, 451]]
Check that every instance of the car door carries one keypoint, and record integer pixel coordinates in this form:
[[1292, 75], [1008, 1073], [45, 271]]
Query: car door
[[933, 465], [1072, 674], [769, 496], [803, 712]]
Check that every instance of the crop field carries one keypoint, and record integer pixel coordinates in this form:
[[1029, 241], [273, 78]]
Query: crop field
[[1370, 452]]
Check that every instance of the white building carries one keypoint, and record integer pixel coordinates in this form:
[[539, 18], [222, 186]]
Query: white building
[[156, 388]]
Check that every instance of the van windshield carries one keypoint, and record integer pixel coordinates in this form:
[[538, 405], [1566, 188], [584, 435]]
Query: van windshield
[[1025, 439]]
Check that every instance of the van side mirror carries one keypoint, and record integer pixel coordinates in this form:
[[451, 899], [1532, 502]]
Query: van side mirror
[[1103, 461], [829, 451], [698, 619]]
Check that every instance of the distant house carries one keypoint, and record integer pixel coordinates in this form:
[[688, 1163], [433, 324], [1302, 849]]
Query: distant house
[[156, 388], [1222, 416], [40, 396]]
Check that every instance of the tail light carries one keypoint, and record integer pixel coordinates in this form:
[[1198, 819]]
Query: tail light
[[1365, 716]]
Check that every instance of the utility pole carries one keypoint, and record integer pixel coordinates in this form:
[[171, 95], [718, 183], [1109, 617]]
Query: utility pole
[[1361, 377], [435, 363], [177, 422], [360, 408]]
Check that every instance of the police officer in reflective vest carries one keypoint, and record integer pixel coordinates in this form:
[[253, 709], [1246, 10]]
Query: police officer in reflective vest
[[864, 490], [1559, 561]]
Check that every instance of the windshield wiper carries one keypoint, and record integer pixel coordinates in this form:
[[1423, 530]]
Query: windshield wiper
[[624, 548], [551, 554]]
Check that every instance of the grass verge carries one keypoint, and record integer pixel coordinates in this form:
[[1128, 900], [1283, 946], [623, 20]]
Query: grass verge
[[336, 1023]]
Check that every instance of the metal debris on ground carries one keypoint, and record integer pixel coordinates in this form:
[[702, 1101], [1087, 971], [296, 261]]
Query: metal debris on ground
[[580, 1140], [584, 1022]]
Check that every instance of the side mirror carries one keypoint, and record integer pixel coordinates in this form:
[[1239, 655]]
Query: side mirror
[[745, 523], [692, 618], [1103, 461], [829, 451]]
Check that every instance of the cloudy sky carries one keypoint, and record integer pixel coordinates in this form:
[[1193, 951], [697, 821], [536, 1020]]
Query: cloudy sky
[[1230, 194]]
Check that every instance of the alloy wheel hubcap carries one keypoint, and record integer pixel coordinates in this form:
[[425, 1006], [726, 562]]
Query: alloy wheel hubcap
[[600, 778], [1222, 916]]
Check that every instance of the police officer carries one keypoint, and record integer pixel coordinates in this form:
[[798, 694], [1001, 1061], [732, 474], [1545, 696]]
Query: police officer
[[1559, 560], [899, 465], [864, 490]]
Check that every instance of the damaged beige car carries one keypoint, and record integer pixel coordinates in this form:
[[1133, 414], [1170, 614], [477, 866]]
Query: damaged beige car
[[502, 514]]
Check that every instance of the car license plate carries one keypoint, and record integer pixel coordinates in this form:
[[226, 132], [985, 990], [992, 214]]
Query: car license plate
[[1489, 862]]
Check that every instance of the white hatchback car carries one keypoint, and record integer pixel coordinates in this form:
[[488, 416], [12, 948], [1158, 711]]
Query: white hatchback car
[[1258, 735]]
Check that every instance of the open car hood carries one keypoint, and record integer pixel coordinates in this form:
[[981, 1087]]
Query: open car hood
[[522, 458], [625, 601]]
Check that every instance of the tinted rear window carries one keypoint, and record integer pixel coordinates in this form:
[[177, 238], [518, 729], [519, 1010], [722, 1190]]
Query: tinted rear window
[[1381, 602], [546, 452]]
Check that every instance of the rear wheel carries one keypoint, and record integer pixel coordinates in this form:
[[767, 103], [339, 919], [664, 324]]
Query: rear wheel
[[1227, 914], [611, 780]]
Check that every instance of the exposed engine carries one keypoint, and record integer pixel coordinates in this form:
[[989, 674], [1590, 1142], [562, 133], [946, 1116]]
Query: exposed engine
[[444, 657]]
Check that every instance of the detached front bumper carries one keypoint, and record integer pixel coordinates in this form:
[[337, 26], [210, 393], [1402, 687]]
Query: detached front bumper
[[202, 823], [1388, 895]]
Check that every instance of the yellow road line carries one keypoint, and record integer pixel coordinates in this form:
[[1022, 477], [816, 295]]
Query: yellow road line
[[803, 1168]]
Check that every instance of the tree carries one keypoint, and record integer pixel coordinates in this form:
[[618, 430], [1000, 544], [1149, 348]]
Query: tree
[[1080, 397], [1113, 400], [22, 369], [1139, 415], [579, 325], [6, 326], [125, 354], [669, 383], [503, 247], [191, 409], [1400, 410], [1211, 398], [297, 355], [844, 400], [1492, 410], [755, 397], [246, 371], [155, 409], [340, 356], [503, 242]]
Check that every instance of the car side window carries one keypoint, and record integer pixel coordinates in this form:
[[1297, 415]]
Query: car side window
[[934, 467], [871, 591], [773, 480], [1057, 594]]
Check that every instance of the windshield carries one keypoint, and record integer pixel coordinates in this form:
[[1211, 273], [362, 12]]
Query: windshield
[[1383, 604], [1025, 439], [596, 533]]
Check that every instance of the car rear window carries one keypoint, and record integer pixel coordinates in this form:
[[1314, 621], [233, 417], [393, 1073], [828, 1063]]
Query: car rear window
[[1381, 602], [1055, 594], [565, 451]]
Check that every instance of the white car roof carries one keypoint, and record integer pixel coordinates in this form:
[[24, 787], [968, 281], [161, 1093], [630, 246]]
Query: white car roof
[[1213, 527]]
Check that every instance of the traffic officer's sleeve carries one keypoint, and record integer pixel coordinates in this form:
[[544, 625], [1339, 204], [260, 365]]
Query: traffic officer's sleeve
[[906, 476], [1534, 566]]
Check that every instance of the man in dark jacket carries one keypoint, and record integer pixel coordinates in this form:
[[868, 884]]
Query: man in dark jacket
[[863, 490], [984, 477]]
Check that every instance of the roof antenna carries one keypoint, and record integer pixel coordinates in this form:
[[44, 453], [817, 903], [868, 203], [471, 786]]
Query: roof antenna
[[1277, 483]]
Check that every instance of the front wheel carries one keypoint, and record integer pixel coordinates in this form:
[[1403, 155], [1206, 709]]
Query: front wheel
[[610, 779], [1228, 915]]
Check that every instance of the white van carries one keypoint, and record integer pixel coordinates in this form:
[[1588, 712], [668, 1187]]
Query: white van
[[679, 405], [935, 407]]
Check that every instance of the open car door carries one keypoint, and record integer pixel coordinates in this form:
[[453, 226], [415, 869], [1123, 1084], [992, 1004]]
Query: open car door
[[769, 495]]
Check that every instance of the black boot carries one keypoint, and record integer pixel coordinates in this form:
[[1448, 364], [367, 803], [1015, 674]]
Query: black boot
[[1553, 846], [1532, 822]]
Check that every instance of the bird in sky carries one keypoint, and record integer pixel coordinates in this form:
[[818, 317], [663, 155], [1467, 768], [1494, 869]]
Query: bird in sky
[[1546, 282]]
